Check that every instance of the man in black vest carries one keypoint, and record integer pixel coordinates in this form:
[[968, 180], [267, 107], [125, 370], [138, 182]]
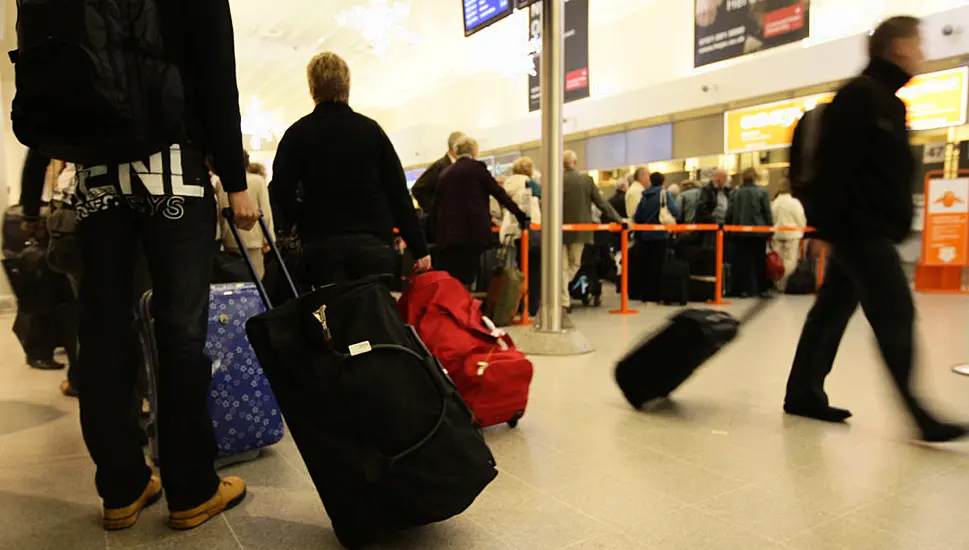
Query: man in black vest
[[863, 208]]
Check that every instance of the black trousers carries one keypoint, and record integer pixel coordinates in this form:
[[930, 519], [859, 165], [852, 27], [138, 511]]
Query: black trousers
[[177, 235], [748, 260], [461, 261], [869, 273], [346, 258]]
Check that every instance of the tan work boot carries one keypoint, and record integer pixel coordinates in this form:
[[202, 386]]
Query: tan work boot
[[232, 491], [115, 519]]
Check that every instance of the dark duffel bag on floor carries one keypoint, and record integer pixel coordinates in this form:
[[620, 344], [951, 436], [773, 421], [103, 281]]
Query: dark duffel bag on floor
[[386, 438], [668, 357]]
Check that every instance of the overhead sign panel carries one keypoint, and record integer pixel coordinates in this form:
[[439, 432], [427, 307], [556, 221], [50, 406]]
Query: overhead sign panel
[[937, 100], [767, 126], [524, 3], [479, 14], [725, 29], [576, 52], [934, 100]]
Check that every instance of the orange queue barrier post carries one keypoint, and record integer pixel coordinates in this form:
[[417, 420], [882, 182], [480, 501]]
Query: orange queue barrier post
[[524, 320], [624, 244], [682, 228], [624, 278]]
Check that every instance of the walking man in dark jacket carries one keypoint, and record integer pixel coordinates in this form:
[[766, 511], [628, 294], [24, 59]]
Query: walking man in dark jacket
[[862, 206]]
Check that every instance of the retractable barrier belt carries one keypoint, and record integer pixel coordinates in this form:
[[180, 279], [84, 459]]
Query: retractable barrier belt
[[624, 248]]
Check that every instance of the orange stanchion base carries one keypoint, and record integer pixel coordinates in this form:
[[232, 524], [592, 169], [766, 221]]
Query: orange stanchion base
[[624, 311]]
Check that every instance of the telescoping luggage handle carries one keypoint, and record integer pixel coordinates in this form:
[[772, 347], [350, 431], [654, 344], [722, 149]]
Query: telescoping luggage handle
[[759, 306], [229, 215]]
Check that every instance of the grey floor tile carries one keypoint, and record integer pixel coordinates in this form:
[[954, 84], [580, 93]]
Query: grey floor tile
[[924, 522], [619, 502], [690, 529], [525, 518], [607, 542], [39, 523], [772, 515], [844, 534], [718, 468]]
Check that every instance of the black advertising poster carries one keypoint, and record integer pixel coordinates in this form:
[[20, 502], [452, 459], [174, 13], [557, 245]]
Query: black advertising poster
[[576, 52], [726, 29]]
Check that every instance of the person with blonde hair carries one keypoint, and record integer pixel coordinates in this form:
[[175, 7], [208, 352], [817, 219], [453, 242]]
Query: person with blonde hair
[[519, 188], [338, 180]]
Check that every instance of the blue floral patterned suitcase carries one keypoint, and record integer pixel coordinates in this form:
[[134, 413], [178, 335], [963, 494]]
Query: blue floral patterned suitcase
[[245, 416], [244, 412]]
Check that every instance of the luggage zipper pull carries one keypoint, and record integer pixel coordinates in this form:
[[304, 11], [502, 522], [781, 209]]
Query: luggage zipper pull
[[482, 367], [320, 315]]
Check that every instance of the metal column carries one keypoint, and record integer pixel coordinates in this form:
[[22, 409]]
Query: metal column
[[552, 84]]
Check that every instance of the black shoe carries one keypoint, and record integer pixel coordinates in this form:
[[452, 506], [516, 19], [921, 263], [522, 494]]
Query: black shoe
[[68, 389], [942, 432], [824, 413], [44, 364]]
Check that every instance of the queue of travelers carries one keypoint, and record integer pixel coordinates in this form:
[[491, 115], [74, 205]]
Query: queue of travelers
[[338, 184]]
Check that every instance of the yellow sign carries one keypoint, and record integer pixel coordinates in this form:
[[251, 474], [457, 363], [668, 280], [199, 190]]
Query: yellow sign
[[767, 126], [937, 100], [934, 100]]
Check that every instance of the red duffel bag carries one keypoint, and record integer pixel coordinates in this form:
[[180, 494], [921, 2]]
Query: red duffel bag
[[492, 376]]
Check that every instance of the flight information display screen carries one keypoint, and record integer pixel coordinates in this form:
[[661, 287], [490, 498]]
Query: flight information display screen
[[479, 14]]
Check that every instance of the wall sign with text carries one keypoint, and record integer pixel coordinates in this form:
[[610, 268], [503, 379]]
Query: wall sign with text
[[934, 100], [576, 52], [725, 29]]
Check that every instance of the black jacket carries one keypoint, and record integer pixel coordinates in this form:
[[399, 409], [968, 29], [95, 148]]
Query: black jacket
[[864, 164], [337, 173], [425, 188], [708, 202], [462, 204], [199, 40]]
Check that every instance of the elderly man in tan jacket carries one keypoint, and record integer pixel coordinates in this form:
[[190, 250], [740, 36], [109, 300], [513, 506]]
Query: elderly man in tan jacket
[[580, 193]]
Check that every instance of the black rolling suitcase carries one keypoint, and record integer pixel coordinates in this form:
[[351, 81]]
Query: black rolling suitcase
[[675, 281], [660, 364], [387, 439]]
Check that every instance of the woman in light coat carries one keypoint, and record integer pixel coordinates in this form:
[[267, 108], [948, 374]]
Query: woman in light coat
[[788, 212], [519, 187]]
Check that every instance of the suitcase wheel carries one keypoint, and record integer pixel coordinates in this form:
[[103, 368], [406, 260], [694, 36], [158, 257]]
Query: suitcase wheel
[[513, 423]]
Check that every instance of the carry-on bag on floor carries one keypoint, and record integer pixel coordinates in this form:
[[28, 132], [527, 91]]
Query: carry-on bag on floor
[[803, 280], [675, 281], [506, 288], [660, 364], [492, 376], [387, 439], [245, 415]]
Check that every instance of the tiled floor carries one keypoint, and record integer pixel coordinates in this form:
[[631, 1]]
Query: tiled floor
[[720, 469]]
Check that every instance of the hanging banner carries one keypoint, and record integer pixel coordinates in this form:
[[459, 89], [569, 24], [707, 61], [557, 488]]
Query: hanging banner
[[576, 52], [725, 29], [945, 239]]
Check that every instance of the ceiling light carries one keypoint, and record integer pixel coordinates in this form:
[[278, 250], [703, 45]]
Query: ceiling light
[[379, 23], [261, 126]]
